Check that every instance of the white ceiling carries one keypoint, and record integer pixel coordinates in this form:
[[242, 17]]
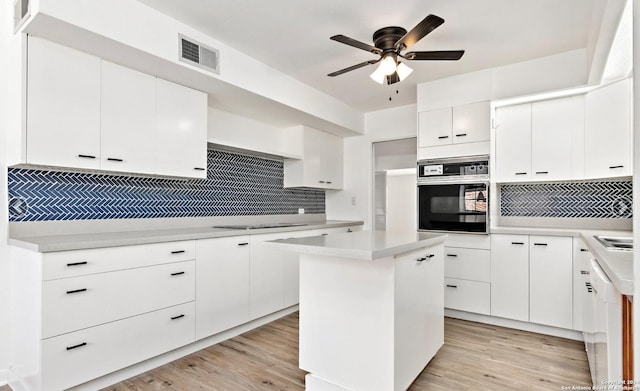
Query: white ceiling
[[293, 36]]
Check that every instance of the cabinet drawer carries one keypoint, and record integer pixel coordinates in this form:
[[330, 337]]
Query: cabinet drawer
[[464, 295], [75, 303], [78, 357], [65, 264], [468, 264]]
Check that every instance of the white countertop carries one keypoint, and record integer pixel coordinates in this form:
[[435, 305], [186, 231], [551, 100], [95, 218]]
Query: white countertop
[[50, 243], [617, 265], [366, 245]]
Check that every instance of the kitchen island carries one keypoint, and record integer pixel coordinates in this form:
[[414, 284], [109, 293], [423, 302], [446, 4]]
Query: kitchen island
[[371, 307]]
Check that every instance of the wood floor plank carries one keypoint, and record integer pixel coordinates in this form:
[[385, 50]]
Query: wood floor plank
[[475, 357]]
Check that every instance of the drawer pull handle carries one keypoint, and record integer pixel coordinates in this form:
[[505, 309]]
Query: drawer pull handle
[[442, 137], [421, 259], [590, 290], [452, 255], [518, 243], [76, 346], [540, 244], [87, 156], [461, 135], [541, 172], [584, 250], [177, 273], [329, 182], [198, 168], [76, 291], [243, 244], [614, 167], [451, 286], [325, 234], [113, 159], [320, 181], [429, 256], [177, 317], [588, 284], [521, 173], [584, 272], [77, 263], [349, 230], [178, 252]]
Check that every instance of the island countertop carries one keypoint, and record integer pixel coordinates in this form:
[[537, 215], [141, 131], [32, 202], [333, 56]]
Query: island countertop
[[366, 245]]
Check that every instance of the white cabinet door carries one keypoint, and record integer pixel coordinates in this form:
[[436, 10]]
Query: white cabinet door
[[222, 284], [513, 143], [471, 123], [556, 127], [608, 127], [267, 275], [63, 100], [181, 144], [434, 127], [510, 276], [551, 281], [128, 120]]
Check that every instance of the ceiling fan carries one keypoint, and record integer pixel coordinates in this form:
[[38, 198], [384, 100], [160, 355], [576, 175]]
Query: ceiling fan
[[389, 43]]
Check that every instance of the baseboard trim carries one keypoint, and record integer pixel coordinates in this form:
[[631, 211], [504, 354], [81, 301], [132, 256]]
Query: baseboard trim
[[515, 324], [155, 362]]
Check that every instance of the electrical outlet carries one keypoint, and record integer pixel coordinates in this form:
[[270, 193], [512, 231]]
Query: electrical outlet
[[300, 211], [353, 201]]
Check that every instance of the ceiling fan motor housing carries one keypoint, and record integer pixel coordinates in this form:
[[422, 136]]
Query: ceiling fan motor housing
[[386, 38]]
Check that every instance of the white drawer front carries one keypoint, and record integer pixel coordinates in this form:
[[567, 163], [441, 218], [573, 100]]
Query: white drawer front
[[75, 358], [464, 295], [75, 303], [468, 264], [65, 264]]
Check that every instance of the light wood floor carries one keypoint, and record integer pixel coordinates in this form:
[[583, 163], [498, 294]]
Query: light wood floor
[[475, 357]]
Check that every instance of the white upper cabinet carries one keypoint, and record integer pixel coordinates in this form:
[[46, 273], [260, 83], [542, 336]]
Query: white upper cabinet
[[513, 143], [557, 127], [454, 125], [321, 163], [63, 100], [181, 138], [86, 113], [434, 127], [128, 120], [540, 141], [608, 141]]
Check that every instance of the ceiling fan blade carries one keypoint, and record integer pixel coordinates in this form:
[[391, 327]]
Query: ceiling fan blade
[[427, 25], [355, 43], [353, 67], [451, 55]]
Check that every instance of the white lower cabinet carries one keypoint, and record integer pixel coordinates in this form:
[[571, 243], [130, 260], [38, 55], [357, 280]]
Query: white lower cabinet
[[510, 276], [222, 284], [532, 279], [78, 357], [581, 265], [467, 279], [551, 277]]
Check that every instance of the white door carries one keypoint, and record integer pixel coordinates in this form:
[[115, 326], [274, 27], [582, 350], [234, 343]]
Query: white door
[[510, 276], [63, 101], [181, 144], [551, 281], [553, 126], [128, 120], [513, 143], [434, 127], [471, 123], [222, 284]]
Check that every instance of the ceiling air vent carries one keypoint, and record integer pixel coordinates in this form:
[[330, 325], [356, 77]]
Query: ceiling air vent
[[20, 13], [195, 53]]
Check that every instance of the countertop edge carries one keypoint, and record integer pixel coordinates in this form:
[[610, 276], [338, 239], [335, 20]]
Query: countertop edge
[[45, 244]]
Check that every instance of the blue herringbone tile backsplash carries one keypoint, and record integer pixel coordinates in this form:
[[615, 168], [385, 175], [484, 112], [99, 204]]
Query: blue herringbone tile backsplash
[[594, 199], [236, 185]]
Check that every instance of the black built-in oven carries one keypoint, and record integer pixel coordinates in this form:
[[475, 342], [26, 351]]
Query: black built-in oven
[[453, 195]]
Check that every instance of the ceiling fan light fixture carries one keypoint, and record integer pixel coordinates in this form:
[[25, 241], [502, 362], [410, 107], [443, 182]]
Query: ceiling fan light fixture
[[378, 76], [403, 71], [387, 65]]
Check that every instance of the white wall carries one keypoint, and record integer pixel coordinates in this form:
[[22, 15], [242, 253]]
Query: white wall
[[382, 125], [9, 118], [401, 201]]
